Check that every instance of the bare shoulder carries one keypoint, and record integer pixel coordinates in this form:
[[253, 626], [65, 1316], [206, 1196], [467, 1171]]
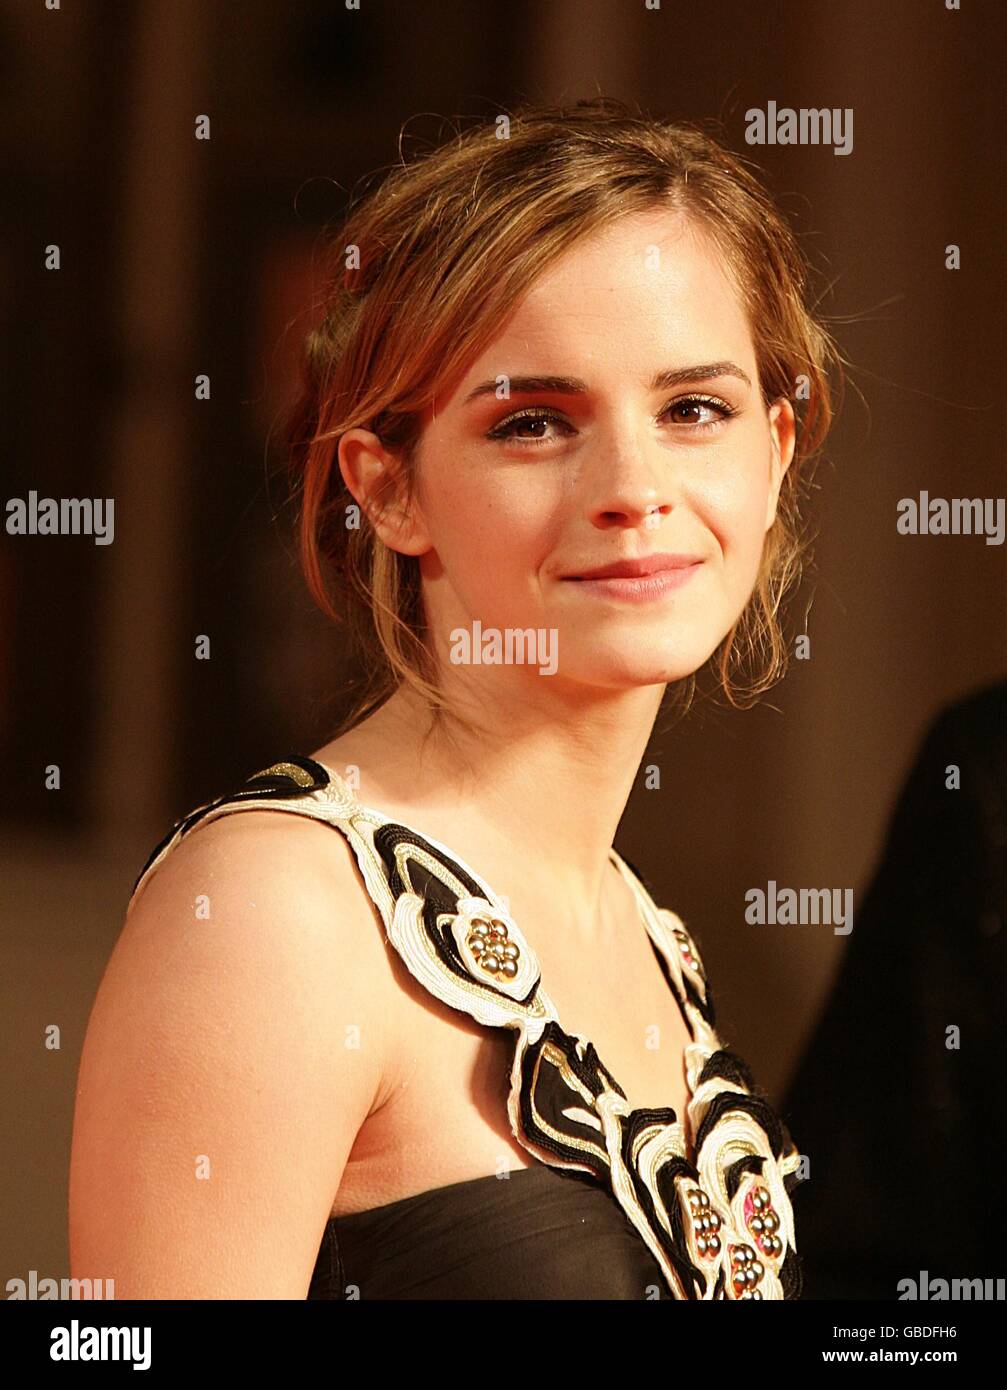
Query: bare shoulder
[[270, 894], [239, 1040], [283, 856]]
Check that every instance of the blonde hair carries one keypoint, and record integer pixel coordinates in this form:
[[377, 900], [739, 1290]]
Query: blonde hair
[[445, 246]]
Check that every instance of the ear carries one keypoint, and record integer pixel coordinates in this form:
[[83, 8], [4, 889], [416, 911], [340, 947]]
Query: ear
[[783, 436], [377, 481]]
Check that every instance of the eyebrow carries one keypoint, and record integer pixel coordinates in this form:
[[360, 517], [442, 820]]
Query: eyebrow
[[574, 386]]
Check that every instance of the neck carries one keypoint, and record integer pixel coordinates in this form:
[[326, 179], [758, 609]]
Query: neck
[[549, 789]]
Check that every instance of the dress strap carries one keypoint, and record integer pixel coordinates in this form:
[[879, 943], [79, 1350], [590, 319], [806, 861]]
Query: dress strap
[[415, 882], [295, 784]]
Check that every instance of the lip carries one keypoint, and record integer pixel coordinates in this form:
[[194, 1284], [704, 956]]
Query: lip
[[639, 580], [641, 588], [639, 568]]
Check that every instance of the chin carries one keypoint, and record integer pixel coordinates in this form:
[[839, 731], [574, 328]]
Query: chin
[[630, 671]]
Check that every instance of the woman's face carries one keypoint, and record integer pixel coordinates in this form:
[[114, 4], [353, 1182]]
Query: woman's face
[[517, 497]]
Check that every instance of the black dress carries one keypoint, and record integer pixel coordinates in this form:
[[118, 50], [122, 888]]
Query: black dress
[[618, 1207]]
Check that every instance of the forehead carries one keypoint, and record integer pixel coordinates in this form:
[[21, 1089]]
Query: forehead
[[650, 291], [660, 252]]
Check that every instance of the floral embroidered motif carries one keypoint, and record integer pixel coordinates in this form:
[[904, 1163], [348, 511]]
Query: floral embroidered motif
[[488, 941], [705, 1223], [763, 1222], [747, 1272]]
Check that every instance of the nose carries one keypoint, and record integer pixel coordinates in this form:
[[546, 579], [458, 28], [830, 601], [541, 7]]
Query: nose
[[632, 483]]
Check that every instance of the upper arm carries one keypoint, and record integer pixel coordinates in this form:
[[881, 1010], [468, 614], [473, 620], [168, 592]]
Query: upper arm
[[236, 1045]]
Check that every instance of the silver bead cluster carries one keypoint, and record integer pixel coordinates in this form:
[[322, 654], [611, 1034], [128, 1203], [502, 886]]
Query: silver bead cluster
[[705, 1222], [493, 949], [764, 1223], [747, 1272]]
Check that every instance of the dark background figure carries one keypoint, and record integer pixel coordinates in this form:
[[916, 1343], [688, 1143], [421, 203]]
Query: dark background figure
[[904, 1132]]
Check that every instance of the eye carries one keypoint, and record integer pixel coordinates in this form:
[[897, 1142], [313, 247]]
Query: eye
[[536, 416], [724, 411]]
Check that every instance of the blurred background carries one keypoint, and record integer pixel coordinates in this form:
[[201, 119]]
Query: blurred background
[[182, 256]]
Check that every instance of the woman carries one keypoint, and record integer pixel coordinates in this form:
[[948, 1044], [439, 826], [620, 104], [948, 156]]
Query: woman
[[548, 450]]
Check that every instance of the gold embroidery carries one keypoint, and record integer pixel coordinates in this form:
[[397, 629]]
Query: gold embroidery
[[291, 770]]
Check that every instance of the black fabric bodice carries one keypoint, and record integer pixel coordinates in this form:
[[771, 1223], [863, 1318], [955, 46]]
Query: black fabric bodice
[[536, 1234]]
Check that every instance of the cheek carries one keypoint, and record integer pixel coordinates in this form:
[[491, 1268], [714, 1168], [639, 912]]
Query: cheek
[[732, 501], [488, 531]]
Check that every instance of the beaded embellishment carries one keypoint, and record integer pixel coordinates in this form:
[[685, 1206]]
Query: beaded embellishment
[[718, 1221]]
